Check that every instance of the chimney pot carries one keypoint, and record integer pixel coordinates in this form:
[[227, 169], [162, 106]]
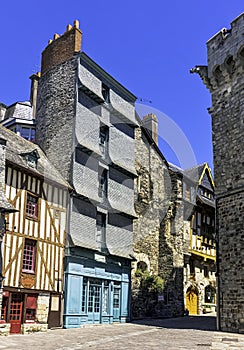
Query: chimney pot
[[76, 24], [69, 27]]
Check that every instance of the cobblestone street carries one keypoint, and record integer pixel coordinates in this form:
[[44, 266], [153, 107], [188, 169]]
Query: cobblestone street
[[193, 332]]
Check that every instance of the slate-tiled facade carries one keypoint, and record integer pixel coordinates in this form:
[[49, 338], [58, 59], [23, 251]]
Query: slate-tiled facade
[[85, 123]]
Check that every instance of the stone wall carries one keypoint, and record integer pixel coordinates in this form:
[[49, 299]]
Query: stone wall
[[42, 308], [4, 329], [55, 115], [231, 256], [157, 240], [28, 328], [225, 79]]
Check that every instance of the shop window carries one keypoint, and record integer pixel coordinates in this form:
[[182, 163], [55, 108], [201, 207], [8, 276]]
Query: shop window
[[105, 301], [116, 298], [84, 296], [31, 206], [29, 256], [30, 308]]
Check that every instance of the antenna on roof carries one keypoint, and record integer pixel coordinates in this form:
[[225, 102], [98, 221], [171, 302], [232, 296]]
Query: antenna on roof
[[141, 99]]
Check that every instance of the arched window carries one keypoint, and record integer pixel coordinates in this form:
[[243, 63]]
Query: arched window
[[209, 294], [141, 265]]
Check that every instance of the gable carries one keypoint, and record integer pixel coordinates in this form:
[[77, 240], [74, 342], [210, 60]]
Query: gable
[[206, 181]]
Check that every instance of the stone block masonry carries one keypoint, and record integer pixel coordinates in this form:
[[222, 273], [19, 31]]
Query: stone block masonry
[[225, 79]]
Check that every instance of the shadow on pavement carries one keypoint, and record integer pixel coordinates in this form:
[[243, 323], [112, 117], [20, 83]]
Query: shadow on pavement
[[205, 323]]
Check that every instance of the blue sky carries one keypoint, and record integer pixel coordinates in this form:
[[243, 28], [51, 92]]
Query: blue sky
[[148, 46]]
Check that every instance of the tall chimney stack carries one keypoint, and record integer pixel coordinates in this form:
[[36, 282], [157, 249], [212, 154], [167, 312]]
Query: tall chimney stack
[[62, 47], [33, 92], [150, 122]]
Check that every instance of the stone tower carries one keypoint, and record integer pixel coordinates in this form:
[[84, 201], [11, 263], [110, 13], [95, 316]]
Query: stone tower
[[224, 78]]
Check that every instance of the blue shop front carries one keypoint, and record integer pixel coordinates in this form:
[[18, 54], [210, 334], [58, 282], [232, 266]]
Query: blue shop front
[[97, 290]]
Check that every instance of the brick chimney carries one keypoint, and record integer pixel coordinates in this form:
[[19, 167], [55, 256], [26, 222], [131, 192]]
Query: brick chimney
[[150, 122], [33, 92], [62, 47]]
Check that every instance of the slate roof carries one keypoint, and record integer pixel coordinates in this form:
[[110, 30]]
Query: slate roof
[[195, 172], [5, 206], [21, 110], [17, 148]]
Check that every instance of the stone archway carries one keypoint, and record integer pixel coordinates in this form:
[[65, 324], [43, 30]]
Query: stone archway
[[192, 300]]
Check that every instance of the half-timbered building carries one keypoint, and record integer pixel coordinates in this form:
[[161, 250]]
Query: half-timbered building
[[200, 263], [34, 240]]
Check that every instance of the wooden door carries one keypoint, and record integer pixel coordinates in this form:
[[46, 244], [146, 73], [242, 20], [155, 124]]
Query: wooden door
[[192, 302], [54, 319], [15, 315]]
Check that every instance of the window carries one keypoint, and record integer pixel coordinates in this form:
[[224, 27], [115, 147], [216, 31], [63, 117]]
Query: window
[[29, 256], [188, 192], [209, 294], [103, 140], [192, 266], [206, 274], [105, 93], [101, 231], [84, 296], [30, 307], [27, 133], [32, 206], [141, 265], [103, 182]]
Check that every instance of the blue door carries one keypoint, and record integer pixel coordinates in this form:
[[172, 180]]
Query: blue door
[[116, 304], [94, 303]]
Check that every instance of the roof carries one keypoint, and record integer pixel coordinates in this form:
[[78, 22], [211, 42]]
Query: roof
[[5, 206], [195, 172], [17, 148], [117, 85], [21, 110]]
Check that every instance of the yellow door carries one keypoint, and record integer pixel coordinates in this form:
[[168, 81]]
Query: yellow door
[[191, 302]]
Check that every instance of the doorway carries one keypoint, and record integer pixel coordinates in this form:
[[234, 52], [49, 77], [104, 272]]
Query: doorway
[[15, 313], [94, 302], [192, 301]]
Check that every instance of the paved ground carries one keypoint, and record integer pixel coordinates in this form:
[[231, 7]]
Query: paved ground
[[192, 332]]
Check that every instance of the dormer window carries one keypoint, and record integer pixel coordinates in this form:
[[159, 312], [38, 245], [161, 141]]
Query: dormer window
[[31, 158]]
